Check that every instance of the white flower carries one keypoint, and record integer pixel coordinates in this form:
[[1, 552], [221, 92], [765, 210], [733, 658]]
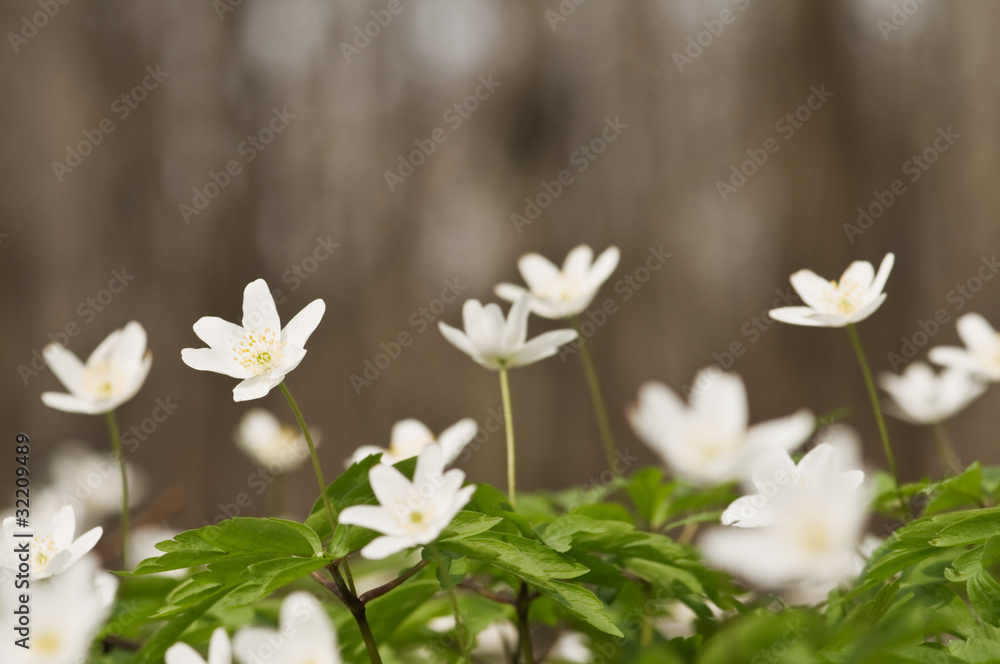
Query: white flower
[[92, 482], [410, 513], [709, 440], [113, 374], [981, 355], [410, 437], [493, 342], [260, 352], [562, 293], [66, 613], [922, 397], [142, 543], [304, 635], [53, 549], [220, 651], [813, 539], [775, 472], [837, 303], [571, 647], [278, 447]]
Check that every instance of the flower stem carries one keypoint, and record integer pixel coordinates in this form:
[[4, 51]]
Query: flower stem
[[508, 420], [946, 451], [312, 453], [116, 445], [445, 577], [523, 628], [859, 350], [596, 398], [357, 609]]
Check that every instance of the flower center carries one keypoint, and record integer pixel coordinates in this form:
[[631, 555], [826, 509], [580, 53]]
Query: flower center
[[416, 517], [564, 288], [43, 551], [259, 352], [844, 298], [813, 536], [47, 643], [101, 380]]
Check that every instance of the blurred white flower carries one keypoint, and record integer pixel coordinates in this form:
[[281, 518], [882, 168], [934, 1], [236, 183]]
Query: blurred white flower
[[981, 355], [561, 293], [53, 549], [278, 447], [113, 374], [142, 543], [709, 440], [571, 647], [304, 634], [410, 513], [494, 342], [220, 651], [775, 472], [410, 437], [92, 483], [813, 538], [837, 303], [922, 397], [260, 353], [66, 613]]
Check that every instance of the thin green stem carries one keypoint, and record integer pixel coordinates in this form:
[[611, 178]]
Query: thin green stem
[[596, 398], [508, 419], [312, 453], [116, 445], [950, 462], [449, 587], [523, 627], [859, 350], [348, 576], [357, 609], [276, 495]]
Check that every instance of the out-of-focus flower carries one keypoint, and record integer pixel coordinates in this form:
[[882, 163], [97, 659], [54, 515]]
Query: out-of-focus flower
[[709, 441], [410, 513], [53, 549], [92, 483], [981, 355], [142, 543], [774, 472], [66, 613], [260, 353], [410, 437], [837, 303], [304, 634], [571, 647], [112, 375], [561, 293], [220, 651], [494, 644], [922, 397], [494, 342], [278, 447]]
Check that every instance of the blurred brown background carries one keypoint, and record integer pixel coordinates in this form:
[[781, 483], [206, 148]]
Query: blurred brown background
[[698, 84]]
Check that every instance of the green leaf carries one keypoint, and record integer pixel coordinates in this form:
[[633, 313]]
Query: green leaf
[[527, 559], [649, 495], [467, 524], [977, 526], [581, 603], [152, 651], [984, 593], [558, 534], [959, 491]]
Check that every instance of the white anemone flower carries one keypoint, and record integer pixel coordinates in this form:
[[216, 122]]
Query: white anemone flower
[[561, 293], [67, 612], [494, 342], [91, 481], [837, 303], [112, 375], [304, 634], [53, 549], [709, 440], [271, 444], [813, 539], [981, 355], [409, 438], [410, 513], [220, 651], [921, 396], [260, 353], [775, 472]]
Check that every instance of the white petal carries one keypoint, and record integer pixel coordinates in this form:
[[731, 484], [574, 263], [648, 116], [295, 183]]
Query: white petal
[[861, 273], [748, 512], [104, 349], [796, 316], [867, 310], [63, 527], [302, 325], [220, 651], [723, 402], [372, 517], [127, 355], [66, 366], [459, 340], [366, 451], [811, 287], [217, 333], [315, 630], [955, 357], [976, 332], [657, 416], [476, 326], [429, 468], [257, 386], [249, 642], [543, 346], [578, 261], [537, 270], [385, 546], [603, 267], [217, 361], [883, 273], [136, 379], [389, 485], [516, 326], [454, 439], [259, 311], [785, 432], [509, 292], [86, 542], [182, 653], [72, 404]]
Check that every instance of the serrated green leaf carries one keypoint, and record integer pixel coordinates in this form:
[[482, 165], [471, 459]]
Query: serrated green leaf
[[977, 526], [984, 593]]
